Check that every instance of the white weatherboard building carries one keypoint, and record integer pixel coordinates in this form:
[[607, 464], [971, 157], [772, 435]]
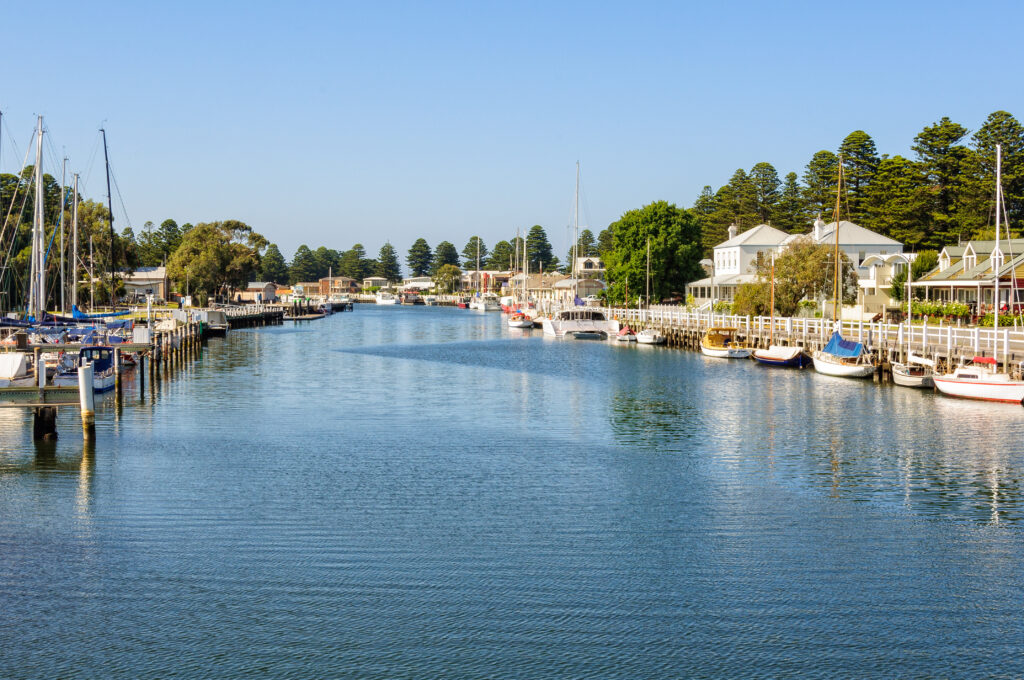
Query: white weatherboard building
[[735, 260]]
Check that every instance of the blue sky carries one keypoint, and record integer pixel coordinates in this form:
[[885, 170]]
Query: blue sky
[[335, 123]]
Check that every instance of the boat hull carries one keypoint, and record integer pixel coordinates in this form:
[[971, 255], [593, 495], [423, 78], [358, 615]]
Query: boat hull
[[725, 352], [905, 377], [777, 355], [1010, 391], [828, 366], [650, 338]]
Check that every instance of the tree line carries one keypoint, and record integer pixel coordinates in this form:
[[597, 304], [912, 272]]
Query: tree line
[[944, 193]]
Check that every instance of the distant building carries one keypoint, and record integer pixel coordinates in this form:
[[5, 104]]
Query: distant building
[[967, 273], [415, 283], [491, 280], [305, 289], [259, 291], [374, 282], [147, 281], [338, 285], [590, 268]]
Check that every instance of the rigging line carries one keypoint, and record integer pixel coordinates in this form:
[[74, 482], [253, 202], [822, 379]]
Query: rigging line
[[14, 237], [89, 165], [120, 199], [24, 164], [10, 137]]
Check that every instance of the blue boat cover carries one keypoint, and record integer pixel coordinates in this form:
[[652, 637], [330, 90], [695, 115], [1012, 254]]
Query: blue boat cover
[[77, 314], [843, 348]]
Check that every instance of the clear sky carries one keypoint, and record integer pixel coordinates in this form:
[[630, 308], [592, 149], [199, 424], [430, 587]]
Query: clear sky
[[331, 123]]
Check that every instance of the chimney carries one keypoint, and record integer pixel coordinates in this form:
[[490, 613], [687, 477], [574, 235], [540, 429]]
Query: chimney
[[818, 224], [732, 231]]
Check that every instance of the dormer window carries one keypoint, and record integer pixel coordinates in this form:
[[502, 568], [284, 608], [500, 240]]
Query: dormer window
[[944, 263], [997, 260], [970, 261]]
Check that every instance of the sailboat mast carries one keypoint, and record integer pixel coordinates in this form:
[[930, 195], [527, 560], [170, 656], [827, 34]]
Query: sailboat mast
[[74, 246], [38, 270], [576, 235], [110, 207], [771, 324], [63, 191], [648, 272], [836, 288], [999, 203]]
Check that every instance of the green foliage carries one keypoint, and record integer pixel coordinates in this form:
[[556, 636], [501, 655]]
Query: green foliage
[[676, 249], [273, 267], [934, 309], [419, 258], [605, 242], [765, 182], [354, 263], [447, 278], [805, 270], [303, 266], [896, 204], [474, 251], [753, 299], [791, 211], [860, 161], [387, 264], [820, 179], [538, 249], [217, 256], [501, 257], [444, 253]]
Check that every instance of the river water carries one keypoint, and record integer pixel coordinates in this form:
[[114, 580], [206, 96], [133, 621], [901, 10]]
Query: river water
[[425, 493]]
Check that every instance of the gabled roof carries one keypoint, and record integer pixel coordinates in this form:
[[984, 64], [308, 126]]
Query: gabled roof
[[761, 235], [852, 234], [261, 284]]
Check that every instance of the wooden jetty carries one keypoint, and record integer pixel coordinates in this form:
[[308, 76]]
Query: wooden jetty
[[947, 344]]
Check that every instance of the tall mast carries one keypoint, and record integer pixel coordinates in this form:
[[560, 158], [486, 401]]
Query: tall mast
[[771, 325], [648, 272], [836, 288], [110, 207], [63, 285], [999, 203], [38, 294], [576, 236], [74, 246]]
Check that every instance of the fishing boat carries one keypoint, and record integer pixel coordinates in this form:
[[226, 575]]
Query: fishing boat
[[625, 334], [649, 336], [779, 355], [488, 302], [916, 372], [981, 379], [385, 298], [462, 303], [102, 359], [519, 320], [721, 342]]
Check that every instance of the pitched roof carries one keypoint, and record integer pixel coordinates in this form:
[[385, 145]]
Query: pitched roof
[[853, 234], [761, 235]]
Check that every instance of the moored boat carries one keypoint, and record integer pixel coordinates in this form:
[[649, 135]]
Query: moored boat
[[650, 336], [519, 320], [577, 320], [102, 359], [981, 379], [385, 298], [916, 372], [721, 342], [625, 334], [780, 355], [843, 359]]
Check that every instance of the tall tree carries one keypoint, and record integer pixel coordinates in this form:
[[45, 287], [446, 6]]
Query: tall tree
[[860, 160], [538, 249], [999, 128], [214, 257], [419, 257], [444, 253], [765, 182], [387, 263], [501, 257], [327, 261], [605, 241], [791, 211], [471, 254], [353, 263], [303, 267], [675, 240], [820, 179], [273, 267], [943, 162], [897, 202]]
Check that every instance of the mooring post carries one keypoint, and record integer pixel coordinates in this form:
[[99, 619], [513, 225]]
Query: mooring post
[[117, 370], [40, 368], [86, 398], [44, 423]]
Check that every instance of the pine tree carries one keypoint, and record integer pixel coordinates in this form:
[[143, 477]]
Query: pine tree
[[820, 179], [273, 267], [303, 266], [501, 257], [897, 202], [471, 254], [943, 162], [444, 253], [791, 212], [860, 160], [419, 258], [387, 263], [538, 248], [765, 181], [1002, 128]]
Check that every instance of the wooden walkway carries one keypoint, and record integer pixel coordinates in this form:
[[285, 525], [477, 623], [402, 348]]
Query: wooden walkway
[[940, 341]]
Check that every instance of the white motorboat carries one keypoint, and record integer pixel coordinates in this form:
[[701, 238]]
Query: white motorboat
[[578, 320], [781, 355], [649, 336], [625, 334], [720, 342], [843, 359], [385, 298], [916, 372], [488, 302], [103, 377], [430, 300], [519, 320], [981, 379]]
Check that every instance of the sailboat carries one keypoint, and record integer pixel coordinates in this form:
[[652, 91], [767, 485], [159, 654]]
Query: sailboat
[[779, 355], [840, 357], [917, 370], [484, 302], [982, 379], [649, 336]]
